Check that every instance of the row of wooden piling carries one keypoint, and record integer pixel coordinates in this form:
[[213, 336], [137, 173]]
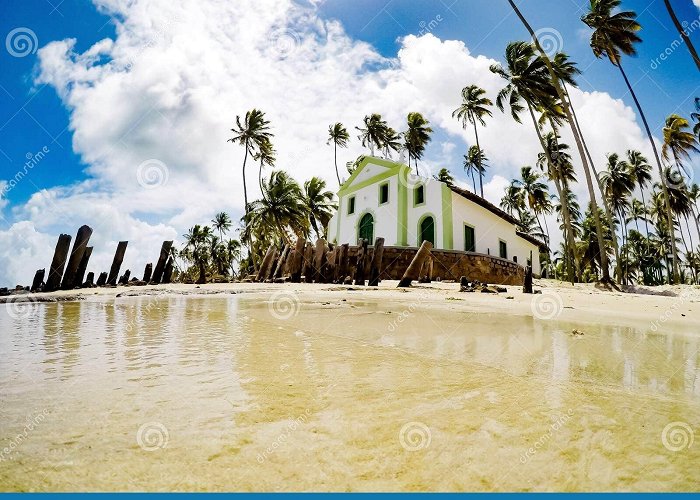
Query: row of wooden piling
[[68, 269]]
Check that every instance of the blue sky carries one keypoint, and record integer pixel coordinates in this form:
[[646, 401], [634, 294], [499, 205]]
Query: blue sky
[[61, 98]]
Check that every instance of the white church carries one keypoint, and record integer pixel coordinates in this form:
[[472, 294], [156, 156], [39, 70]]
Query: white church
[[385, 199]]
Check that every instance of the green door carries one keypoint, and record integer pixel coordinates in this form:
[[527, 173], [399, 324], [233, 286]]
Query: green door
[[469, 240], [427, 231], [366, 229]]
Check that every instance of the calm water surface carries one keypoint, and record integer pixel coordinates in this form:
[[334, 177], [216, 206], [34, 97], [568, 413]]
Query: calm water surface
[[229, 393]]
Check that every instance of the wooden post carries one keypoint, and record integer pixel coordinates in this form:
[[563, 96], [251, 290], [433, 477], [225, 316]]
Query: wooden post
[[125, 279], [527, 285], [413, 270], [376, 267], [90, 280], [117, 263], [308, 267], [266, 263], [102, 280], [82, 268], [298, 260], [360, 268], [38, 280], [53, 282], [147, 273], [168, 273], [79, 246], [280, 263], [344, 262], [162, 260], [318, 260], [270, 271]]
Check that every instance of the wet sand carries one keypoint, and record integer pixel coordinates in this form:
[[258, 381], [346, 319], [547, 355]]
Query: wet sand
[[311, 387]]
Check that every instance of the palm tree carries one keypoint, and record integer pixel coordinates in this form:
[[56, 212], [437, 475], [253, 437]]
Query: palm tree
[[559, 92], [392, 142], [536, 194], [197, 242], [222, 223], [416, 137], [280, 212], [696, 118], [374, 132], [513, 201], [233, 254], [614, 35], [338, 135], [683, 32], [474, 163], [319, 204], [678, 142], [640, 170], [266, 156], [251, 134], [474, 108], [445, 176]]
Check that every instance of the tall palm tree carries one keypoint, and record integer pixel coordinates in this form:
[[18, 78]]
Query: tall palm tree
[[678, 142], [222, 222], [559, 92], [474, 163], [392, 142], [640, 170], [266, 156], [536, 194], [696, 118], [197, 242], [614, 35], [474, 108], [445, 176], [319, 204], [416, 137], [683, 32], [233, 254], [513, 200], [338, 135], [251, 133], [374, 132]]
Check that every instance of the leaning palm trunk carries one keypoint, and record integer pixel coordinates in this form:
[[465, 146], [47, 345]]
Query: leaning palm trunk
[[573, 271], [683, 33], [481, 170], [567, 110], [606, 204], [669, 213]]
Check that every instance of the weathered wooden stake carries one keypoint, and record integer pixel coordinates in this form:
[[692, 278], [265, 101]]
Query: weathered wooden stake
[[413, 270], [319, 254], [360, 269], [117, 263], [53, 282], [527, 284], [82, 268], [270, 271], [38, 280], [125, 278], [344, 263], [376, 267], [308, 268], [162, 260], [168, 273], [297, 260], [280, 263], [79, 246], [148, 272], [102, 280], [90, 280], [266, 263]]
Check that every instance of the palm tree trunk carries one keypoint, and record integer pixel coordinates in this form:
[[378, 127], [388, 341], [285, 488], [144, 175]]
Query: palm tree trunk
[[684, 35], [606, 203], [557, 85], [245, 198], [481, 182], [335, 157], [669, 214], [563, 198]]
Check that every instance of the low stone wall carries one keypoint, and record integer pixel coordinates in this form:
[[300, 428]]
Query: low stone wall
[[451, 265]]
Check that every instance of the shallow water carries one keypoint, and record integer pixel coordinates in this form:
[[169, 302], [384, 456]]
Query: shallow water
[[239, 393]]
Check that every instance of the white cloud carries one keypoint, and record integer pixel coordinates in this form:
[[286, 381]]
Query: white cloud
[[171, 83]]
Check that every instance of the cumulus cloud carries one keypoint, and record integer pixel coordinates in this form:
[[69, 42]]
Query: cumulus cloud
[[165, 93]]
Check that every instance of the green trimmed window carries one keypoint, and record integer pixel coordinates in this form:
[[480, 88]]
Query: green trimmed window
[[351, 205], [419, 195], [384, 193], [469, 239], [502, 249]]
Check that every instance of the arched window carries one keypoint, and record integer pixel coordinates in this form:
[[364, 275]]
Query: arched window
[[365, 230], [427, 231]]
